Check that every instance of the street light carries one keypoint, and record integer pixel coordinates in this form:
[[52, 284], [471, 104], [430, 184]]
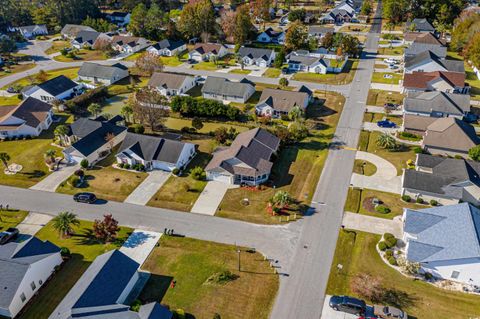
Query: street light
[[238, 251]]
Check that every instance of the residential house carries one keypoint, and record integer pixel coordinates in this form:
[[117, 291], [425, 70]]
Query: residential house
[[248, 160], [444, 241], [275, 103], [437, 104], [313, 62], [56, 89], [205, 51], [256, 56], [446, 180], [99, 74], [318, 31], [128, 44], [25, 267], [92, 139], [155, 152], [225, 90], [119, 18], [271, 36], [426, 42], [29, 118], [171, 84], [343, 12], [448, 82], [106, 289], [168, 47], [70, 31], [429, 62], [87, 39], [31, 31], [416, 124], [419, 25]]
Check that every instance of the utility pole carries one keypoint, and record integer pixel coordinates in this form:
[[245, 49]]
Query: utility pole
[[238, 252]]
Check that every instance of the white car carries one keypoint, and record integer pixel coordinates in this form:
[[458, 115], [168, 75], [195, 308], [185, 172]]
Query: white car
[[390, 61], [392, 66]]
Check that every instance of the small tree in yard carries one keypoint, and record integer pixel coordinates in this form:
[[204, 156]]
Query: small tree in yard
[[474, 153], [221, 134], [94, 109], [106, 229], [42, 76], [197, 123], [148, 63], [84, 163], [63, 223], [50, 156], [198, 173], [387, 141], [282, 199], [60, 131], [4, 157], [283, 82], [367, 286]]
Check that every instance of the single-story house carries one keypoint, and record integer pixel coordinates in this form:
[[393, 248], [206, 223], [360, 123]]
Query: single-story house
[[424, 38], [29, 118], [416, 124], [274, 102], [168, 47], [92, 139], [428, 61], [445, 241], [31, 31], [246, 161], [25, 267], [318, 31], [171, 84], [58, 88], [417, 48], [256, 56], [102, 74], [88, 38], [271, 36], [155, 152], [449, 82], [204, 51], [70, 31], [306, 63], [119, 18], [128, 44], [419, 25], [225, 90], [437, 104], [106, 289], [446, 180]]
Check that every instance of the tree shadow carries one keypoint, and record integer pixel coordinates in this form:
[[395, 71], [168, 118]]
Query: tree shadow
[[33, 174], [397, 298]]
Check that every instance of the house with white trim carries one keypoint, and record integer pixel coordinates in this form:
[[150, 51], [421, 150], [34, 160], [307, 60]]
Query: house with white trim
[[99, 74], [271, 36], [57, 89], [205, 51], [168, 47], [256, 56], [171, 84], [31, 31]]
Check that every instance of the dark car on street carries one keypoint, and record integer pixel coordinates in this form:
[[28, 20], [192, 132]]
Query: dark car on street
[[386, 123], [7, 235], [348, 304], [88, 198]]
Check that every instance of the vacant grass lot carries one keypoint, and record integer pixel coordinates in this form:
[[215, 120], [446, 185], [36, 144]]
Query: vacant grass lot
[[344, 77], [357, 254], [355, 28], [83, 55], [391, 51], [379, 77], [212, 66], [6, 71], [11, 218], [179, 123], [84, 248], [191, 262], [272, 73], [380, 97], [240, 71], [70, 73]]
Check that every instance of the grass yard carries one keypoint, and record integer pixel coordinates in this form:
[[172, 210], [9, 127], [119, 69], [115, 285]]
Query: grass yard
[[179, 123], [272, 73], [471, 77], [375, 117], [380, 66], [391, 51], [240, 71], [133, 57], [11, 100], [16, 68], [58, 46], [107, 182], [368, 143], [11, 218], [379, 77], [356, 252], [192, 262], [84, 248], [355, 28], [70, 73], [358, 202], [364, 168], [380, 97], [296, 170], [211, 66], [83, 55], [344, 77], [171, 61]]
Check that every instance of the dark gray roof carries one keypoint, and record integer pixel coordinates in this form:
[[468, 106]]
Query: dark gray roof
[[417, 48], [90, 69], [57, 85], [221, 86], [437, 101], [168, 44], [255, 53], [86, 36], [443, 233], [428, 56], [421, 25], [304, 59], [166, 80], [152, 148], [15, 260], [72, 30], [33, 28]]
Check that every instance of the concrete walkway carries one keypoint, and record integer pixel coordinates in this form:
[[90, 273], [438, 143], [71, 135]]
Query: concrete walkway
[[210, 198], [385, 178], [140, 244], [380, 109], [386, 87], [372, 224], [33, 223], [142, 194], [52, 181]]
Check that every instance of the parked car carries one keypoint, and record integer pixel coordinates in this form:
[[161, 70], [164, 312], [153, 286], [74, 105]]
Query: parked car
[[11, 89], [392, 66], [88, 198], [386, 123], [388, 312], [390, 106], [390, 61], [348, 304], [7, 235]]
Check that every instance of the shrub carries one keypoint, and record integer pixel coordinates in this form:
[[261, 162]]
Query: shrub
[[137, 128], [189, 106], [382, 246], [419, 200], [79, 173], [406, 198], [389, 253], [428, 276], [382, 209], [135, 306], [392, 261], [84, 163], [388, 236], [74, 181], [433, 202], [418, 150], [198, 174], [179, 314], [175, 171], [391, 242], [126, 166], [81, 102], [65, 252], [121, 165]]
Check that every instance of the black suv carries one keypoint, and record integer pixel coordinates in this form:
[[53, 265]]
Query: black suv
[[88, 198], [348, 304], [7, 235]]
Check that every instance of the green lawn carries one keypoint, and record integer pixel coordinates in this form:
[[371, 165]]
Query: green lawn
[[375, 117], [179, 123], [70, 73], [11, 100], [240, 71], [357, 254], [364, 168], [391, 51], [83, 55], [167, 60], [380, 97], [57, 46], [192, 262], [355, 28], [84, 248], [471, 77], [11, 218], [344, 77], [378, 77], [211, 66], [272, 73], [6, 71]]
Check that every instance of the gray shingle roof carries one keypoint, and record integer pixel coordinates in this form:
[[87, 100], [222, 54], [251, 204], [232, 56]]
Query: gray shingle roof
[[417, 48], [428, 56], [57, 85], [90, 69], [421, 25], [282, 100], [443, 233], [72, 30], [154, 311], [168, 80], [255, 53], [168, 44], [86, 36], [221, 86], [436, 101]]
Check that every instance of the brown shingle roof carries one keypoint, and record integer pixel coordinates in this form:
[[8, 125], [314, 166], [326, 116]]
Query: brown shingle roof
[[167, 80], [32, 111], [416, 122], [451, 133], [420, 79]]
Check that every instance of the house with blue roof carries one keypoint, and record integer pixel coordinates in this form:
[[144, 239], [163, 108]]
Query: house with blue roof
[[445, 241]]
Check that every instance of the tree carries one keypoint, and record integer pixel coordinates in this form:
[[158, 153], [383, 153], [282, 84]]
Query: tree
[[101, 25], [197, 17], [283, 82], [61, 131], [126, 112], [197, 123], [7, 45], [295, 113], [138, 20], [261, 10], [386, 141], [281, 199], [297, 15], [50, 155], [42, 76], [198, 173], [279, 59], [350, 45], [366, 8], [148, 63], [64, 222], [110, 139], [327, 40], [472, 50], [106, 229], [237, 25], [367, 286], [474, 153], [221, 134], [150, 107], [297, 130], [296, 37], [4, 157], [94, 109], [84, 163]]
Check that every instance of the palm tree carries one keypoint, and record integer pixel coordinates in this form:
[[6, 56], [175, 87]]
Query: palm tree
[[94, 109], [126, 112], [61, 131], [63, 223], [282, 199], [387, 141], [4, 157], [50, 154]]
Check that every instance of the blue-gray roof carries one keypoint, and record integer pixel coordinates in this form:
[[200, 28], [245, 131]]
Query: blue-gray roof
[[57, 85], [154, 311], [443, 233]]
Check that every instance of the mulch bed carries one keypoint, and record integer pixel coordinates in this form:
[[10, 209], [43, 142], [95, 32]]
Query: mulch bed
[[368, 204]]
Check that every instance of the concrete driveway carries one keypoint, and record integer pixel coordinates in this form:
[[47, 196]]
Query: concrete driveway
[[210, 198], [52, 181], [371, 126], [386, 87], [372, 224], [142, 194], [33, 223], [140, 244], [329, 313]]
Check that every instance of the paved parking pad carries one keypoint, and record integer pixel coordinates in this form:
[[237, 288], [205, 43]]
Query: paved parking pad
[[210, 198], [139, 244], [142, 194], [329, 313]]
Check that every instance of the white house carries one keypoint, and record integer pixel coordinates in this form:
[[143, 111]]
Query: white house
[[428, 61], [256, 56], [271, 36], [127, 44], [31, 31], [171, 84], [167, 47], [155, 152], [205, 51], [225, 90], [102, 74], [29, 118], [87, 39], [445, 240], [58, 88], [274, 102], [25, 267], [119, 18], [304, 61]]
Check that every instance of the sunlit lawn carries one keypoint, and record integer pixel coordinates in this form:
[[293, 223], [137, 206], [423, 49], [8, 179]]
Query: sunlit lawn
[[70, 73], [345, 77]]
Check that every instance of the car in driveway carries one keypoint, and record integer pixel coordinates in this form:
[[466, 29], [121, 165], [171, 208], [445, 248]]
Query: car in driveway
[[348, 304], [390, 106], [388, 312], [390, 61], [386, 124], [7, 235], [88, 198]]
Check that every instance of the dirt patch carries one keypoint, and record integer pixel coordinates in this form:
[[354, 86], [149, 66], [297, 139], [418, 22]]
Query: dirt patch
[[369, 205]]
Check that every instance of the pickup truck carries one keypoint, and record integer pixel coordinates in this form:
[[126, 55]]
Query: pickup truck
[[7, 235]]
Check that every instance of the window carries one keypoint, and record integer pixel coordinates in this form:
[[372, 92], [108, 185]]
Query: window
[[33, 286], [455, 274], [22, 297], [40, 282]]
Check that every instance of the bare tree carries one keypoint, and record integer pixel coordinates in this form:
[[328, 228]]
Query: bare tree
[[110, 139], [150, 107], [148, 63]]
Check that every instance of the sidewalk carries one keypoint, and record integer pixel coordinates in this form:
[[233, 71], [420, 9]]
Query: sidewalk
[[386, 87]]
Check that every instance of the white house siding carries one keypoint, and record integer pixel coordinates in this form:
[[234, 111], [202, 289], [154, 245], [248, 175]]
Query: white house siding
[[38, 272], [223, 177], [237, 99], [469, 270], [425, 67], [188, 152], [47, 97], [167, 52]]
